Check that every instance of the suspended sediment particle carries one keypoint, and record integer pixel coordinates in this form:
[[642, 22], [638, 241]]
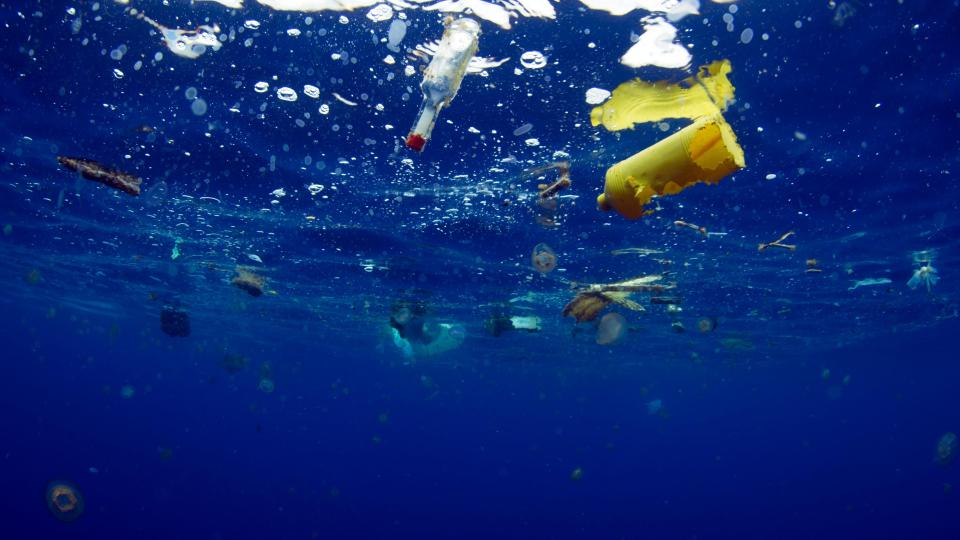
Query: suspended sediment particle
[[637, 101], [92, 170]]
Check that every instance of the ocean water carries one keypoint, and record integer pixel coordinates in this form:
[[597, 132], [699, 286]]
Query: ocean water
[[770, 401]]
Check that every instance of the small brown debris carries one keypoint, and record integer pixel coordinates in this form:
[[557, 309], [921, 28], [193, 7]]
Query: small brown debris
[[699, 229], [779, 243], [92, 170], [591, 299]]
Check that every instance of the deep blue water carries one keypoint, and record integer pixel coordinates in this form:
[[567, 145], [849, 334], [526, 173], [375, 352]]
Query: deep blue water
[[813, 410]]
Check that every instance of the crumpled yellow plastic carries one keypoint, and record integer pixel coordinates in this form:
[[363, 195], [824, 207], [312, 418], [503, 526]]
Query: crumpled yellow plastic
[[637, 101]]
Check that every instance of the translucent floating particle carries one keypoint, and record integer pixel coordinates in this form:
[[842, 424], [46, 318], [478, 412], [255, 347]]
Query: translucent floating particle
[[251, 24], [946, 449], [543, 258], [311, 91], [533, 60], [596, 96], [285, 93], [380, 13], [522, 130], [261, 87], [611, 329], [64, 501]]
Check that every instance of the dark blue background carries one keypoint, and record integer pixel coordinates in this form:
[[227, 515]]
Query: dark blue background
[[356, 442]]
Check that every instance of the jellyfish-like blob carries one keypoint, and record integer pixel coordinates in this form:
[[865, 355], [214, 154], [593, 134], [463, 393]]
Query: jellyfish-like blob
[[946, 449], [543, 258], [925, 275], [64, 501], [611, 329], [706, 324]]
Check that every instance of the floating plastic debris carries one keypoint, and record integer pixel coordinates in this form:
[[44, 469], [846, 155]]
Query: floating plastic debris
[[231, 4], [591, 299], [596, 96], [703, 152], [477, 64], [344, 100], [442, 78], [691, 226], [396, 33], [185, 43], [97, 172], [674, 9], [868, 282], [380, 13], [704, 94], [778, 243], [317, 5], [657, 47]]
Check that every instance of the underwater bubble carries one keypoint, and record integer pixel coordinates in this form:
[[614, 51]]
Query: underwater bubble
[[252, 24], [311, 91], [261, 87], [533, 60], [117, 73], [190, 93], [380, 13], [746, 36], [266, 386], [285, 93]]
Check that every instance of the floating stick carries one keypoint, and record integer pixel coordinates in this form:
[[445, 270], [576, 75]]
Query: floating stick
[[779, 243]]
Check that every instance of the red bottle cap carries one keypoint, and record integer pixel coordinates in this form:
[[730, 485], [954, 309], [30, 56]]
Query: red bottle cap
[[416, 142]]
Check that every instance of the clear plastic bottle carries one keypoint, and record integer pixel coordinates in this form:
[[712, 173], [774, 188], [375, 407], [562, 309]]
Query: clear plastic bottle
[[443, 76]]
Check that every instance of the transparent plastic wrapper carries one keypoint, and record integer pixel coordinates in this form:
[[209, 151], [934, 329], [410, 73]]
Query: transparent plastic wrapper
[[443, 76]]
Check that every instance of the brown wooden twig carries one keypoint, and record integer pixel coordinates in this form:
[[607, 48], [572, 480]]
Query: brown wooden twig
[[779, 243]]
